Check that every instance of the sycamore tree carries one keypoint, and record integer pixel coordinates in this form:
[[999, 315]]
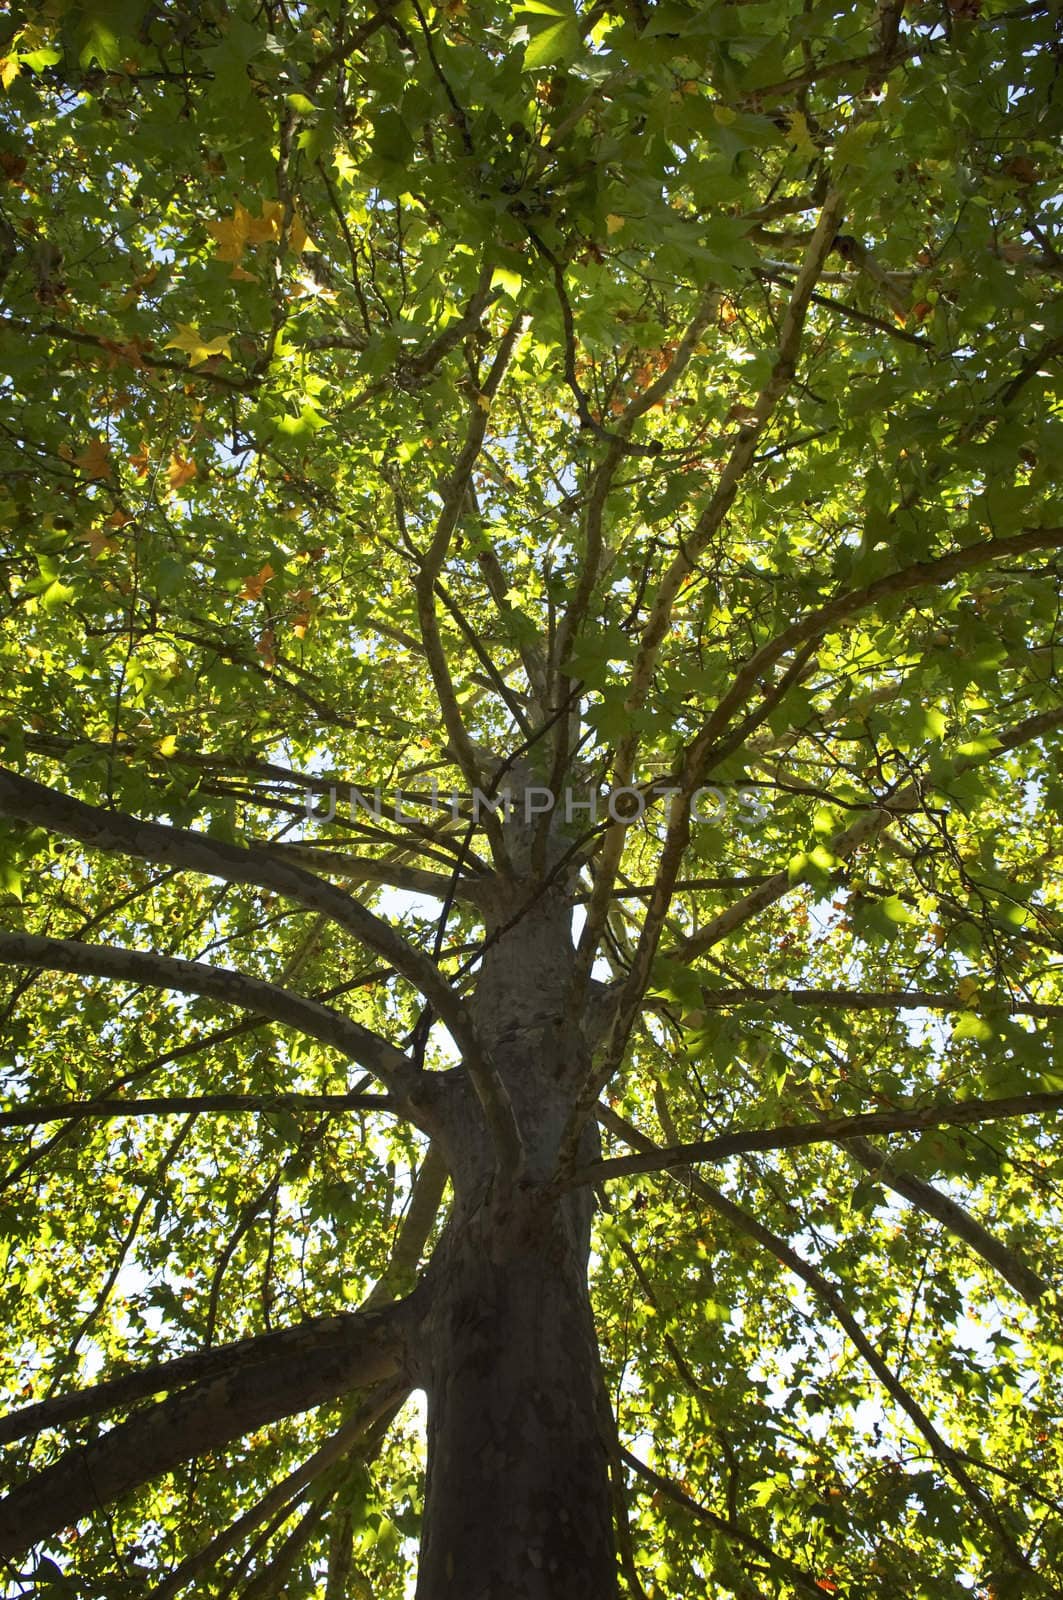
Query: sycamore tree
[[532, 935]]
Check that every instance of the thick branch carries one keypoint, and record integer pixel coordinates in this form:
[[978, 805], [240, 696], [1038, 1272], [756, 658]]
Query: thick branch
[[866, 1000], [262, 1381]]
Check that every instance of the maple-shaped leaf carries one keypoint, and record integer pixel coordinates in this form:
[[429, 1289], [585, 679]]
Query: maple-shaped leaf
[[180, 471], [232, 234], [252, 589], [95, 460], [141, 461], [189, 339], [266, 227]]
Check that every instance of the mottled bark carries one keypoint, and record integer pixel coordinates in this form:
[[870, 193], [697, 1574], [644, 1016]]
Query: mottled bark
[[518, 1498]]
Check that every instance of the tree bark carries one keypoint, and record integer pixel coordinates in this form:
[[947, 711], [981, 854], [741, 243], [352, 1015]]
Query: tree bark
[[517, 1496], [518, 1499]]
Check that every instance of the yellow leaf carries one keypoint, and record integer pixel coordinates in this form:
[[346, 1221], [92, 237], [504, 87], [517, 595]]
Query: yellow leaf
[[95, 460], [252, 589], [724, 115], [613, 222], [242, 276], [344, 166], [231, 234], [168, 746], [483, 402], [967, 991], [189, 339], [262, 229], [10, 67], [180, 471], [298, 237]]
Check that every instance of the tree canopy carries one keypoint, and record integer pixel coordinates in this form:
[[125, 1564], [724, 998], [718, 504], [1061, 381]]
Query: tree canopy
[[647, 412]]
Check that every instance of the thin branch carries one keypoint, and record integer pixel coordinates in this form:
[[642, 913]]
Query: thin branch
[[196, 1104], [963, 1113], [432, 561], [863, 831], [832, 1297], [309, 1017], [120, 833], [711, 519], [285, 1494], [802, 1581], [942, 1208]]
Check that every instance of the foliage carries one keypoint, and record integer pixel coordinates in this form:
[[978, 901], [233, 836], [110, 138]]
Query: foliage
[[766, 491]]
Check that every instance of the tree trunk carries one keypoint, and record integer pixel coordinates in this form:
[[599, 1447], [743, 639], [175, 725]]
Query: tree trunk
[[518, 1503], [517, 1498]]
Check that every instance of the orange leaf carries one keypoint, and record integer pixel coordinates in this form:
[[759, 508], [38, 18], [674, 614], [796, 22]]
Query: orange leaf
[[95, 460], [252, 589], [141, 461], [180, 471], [267, 647]]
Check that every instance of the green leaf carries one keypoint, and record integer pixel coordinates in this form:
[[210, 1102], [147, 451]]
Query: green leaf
[[552, 30]]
